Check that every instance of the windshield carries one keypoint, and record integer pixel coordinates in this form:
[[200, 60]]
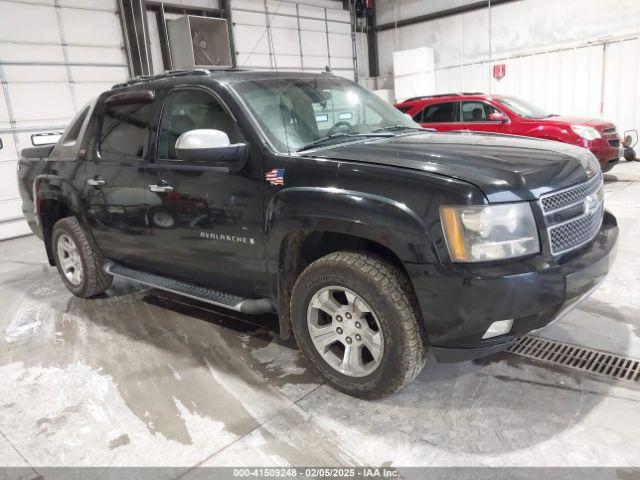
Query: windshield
[[524, 109], [300, 113]]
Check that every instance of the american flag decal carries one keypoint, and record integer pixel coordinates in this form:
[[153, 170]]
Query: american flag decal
[[275, 176]]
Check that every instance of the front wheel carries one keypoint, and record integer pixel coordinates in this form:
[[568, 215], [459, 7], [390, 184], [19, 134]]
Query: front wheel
[[79, 263], [355, 319]]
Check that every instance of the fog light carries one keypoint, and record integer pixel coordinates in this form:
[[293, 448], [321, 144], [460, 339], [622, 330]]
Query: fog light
[[498, 328]]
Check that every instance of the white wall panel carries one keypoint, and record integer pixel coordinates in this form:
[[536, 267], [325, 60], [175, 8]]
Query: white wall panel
[[23, 22], [249, 18], [8, 151], [80, 26], [34, 102], [111, 75], [89, 55], [8, 184], [35, 73], [285, 41], [86, 92], [314, 43], [12, 52]]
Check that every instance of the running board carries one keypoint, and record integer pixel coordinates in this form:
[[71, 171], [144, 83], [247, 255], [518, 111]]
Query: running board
[[214, 297]]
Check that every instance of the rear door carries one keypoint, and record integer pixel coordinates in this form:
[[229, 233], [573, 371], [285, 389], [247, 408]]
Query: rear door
[[475, 117], [116, 183], [206, 223], [441, 116]]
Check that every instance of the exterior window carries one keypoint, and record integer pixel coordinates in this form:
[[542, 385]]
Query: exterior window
[[297, 112], [477, 111], [125, 130], [440, 112], [192, 109], [76, 126]]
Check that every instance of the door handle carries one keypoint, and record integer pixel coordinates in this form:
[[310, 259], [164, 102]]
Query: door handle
[[96, 181], [161, 188]]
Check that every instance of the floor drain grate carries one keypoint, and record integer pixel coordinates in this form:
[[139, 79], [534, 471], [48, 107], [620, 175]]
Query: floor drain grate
[[578, 358]]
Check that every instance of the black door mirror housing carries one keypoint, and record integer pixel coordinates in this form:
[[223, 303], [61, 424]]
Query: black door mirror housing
[[211, 147]]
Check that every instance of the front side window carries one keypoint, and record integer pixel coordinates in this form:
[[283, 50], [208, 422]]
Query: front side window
[[191, 109], [477, 111], [441, 112], [297, 112], [125, 130]]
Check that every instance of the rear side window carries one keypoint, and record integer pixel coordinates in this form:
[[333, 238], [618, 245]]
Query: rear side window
[[76, 126], [477, 111], [125, 130], [405, 109], [439, 112]]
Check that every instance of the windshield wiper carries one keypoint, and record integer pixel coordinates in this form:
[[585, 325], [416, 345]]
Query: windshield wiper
[[322, 140], [399, 126]]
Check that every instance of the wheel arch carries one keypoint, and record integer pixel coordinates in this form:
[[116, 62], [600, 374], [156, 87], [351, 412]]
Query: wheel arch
[[306, 224], [54, 199]]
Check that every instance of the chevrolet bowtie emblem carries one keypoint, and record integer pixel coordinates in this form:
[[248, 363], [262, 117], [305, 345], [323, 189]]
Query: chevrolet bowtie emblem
[[591, 204]]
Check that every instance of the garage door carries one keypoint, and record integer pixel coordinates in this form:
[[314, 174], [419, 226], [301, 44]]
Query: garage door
[[55, 55], [293, 36]]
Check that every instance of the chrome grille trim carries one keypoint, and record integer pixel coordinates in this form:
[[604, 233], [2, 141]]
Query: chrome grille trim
[[570, 196], [581, 229]]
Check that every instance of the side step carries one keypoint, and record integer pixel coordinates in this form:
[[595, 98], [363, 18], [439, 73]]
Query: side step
[[214, 297]]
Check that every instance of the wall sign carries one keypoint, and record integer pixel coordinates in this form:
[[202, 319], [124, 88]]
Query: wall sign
[[499, 71]]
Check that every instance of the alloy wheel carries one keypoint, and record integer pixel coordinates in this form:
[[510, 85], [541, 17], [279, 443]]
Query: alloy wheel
[[345, 331], [69, 258]]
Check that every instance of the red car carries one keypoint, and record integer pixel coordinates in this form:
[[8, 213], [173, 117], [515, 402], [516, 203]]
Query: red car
[[505, 114]]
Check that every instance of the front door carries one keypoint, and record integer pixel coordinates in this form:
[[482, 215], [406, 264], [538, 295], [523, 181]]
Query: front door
[[475, 118], [116, 186], [206, 224]]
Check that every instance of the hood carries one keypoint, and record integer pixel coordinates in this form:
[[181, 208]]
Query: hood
[[599, 125], [506, 168]]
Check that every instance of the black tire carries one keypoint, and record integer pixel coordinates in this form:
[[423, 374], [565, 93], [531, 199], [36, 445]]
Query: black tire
[[387, 291], [94, 279], [629, 154]]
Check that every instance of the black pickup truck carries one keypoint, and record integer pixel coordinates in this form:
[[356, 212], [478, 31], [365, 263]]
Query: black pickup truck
[[375, 240]]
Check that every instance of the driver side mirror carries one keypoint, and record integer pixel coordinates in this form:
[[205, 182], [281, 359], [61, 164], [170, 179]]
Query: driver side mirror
[[498, 117], [211, 147]]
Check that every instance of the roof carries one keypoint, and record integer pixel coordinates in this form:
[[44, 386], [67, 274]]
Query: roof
[[229, 76], [443, 95]]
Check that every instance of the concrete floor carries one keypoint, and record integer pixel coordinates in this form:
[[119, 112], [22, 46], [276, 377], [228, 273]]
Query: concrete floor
[[143, 378]]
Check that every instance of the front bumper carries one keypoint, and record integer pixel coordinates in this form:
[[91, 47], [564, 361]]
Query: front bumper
[[607, 155], [460, 302]]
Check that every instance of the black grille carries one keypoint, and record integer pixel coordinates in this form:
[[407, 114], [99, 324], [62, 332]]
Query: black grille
[[609, 130], [615, 142], [578, 225], [564, 198]]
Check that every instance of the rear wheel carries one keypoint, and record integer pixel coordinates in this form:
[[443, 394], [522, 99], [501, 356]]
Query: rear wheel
[[354, 317], [79, 263]]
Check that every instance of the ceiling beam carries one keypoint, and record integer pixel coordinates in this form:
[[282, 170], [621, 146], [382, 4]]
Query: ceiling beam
[[449, 12]]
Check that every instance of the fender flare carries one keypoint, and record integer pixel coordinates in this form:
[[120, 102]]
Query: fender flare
[[51, 187], [372, 217]]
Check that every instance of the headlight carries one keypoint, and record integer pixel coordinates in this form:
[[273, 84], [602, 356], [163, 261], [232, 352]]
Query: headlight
[[588, 133], [482, 233]]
